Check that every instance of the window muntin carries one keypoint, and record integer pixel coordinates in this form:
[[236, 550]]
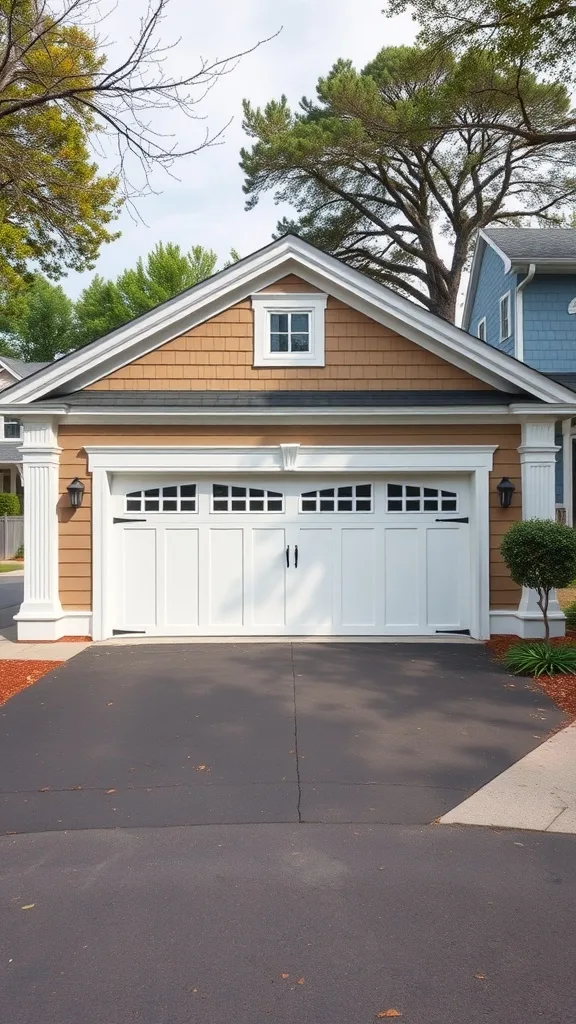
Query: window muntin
[[348, 498], [290, 332], [171, 498], [233, 498], [481, 329], [12, 429], [413, 498], [505, 329]]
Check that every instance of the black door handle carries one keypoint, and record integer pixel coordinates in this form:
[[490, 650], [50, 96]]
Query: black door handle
[[287, 556], [295, 556]]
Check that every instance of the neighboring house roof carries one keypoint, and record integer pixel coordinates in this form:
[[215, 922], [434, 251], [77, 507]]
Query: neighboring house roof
[[284, 399], [9, 452], [19, 368], [287, 255], [567, 379], [531, 245], [547, 248]]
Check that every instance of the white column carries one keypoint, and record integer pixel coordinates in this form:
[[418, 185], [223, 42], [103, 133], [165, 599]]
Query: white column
[[567, 470], [38, 617], [538, 467]]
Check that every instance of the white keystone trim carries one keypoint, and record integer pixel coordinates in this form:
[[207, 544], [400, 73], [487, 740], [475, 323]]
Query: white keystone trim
[[327, 274], [104, 460]]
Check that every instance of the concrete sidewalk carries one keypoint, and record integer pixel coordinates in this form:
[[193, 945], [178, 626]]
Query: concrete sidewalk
[[538, 792]]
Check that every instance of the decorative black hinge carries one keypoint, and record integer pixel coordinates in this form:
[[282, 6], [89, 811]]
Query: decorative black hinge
[[464, 519], [121, 520]]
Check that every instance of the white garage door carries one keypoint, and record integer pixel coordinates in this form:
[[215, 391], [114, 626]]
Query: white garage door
[[291, 556]]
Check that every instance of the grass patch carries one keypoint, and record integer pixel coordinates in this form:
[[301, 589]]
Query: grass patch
[[11, 566]]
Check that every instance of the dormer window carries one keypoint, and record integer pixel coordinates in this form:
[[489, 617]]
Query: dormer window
[[289, 329]]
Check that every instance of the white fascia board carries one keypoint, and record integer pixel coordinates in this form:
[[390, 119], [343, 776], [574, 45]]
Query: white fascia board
[[289, 255], [352, 415], [25, 409], [473, 280], [550, 409], [505, 259]]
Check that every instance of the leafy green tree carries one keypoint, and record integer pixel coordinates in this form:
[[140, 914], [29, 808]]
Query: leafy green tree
[[167, 270], [540, 554], [374, 181], [526, 34], [45, 329], [60, 95]]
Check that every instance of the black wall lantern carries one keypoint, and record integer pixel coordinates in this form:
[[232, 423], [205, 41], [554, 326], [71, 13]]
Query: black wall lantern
[[75, 492], [505, 489]]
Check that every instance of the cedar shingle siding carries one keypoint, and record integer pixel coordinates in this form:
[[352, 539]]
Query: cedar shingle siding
[[360, 355]]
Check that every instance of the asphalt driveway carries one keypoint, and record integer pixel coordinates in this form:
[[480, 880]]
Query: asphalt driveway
[[301, 882], [237, 734]]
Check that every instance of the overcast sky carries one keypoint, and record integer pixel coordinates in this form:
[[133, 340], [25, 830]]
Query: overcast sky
[[206, 204]]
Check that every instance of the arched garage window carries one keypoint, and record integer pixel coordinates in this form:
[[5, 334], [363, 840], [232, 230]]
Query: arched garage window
[[348, 498], [233, 498], [171, 498], [411, 498]]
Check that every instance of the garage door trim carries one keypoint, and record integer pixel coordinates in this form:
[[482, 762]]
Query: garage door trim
[[103, 461]]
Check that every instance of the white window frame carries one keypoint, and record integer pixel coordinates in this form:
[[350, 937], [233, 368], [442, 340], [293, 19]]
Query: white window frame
[[266, 303], [481, 325], [505, 298], [3, 429]]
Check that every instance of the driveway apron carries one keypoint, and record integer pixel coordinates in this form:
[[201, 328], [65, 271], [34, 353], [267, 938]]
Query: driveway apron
[[231, 733]]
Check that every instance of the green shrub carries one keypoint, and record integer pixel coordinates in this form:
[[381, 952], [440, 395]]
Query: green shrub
[[541, 555], [570, 613], [541, 659], [20, 552], [10, 505]]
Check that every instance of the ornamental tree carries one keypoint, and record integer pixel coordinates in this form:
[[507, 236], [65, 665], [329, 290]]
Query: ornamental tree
[[540, 554]]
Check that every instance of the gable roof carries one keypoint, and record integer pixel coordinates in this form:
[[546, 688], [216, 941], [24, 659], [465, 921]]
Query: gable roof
[[287, 255], [546, 248], [19, 368], [531, 245]]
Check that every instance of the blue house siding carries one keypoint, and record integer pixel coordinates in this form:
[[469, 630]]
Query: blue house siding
[[492, 283], [549, 329]]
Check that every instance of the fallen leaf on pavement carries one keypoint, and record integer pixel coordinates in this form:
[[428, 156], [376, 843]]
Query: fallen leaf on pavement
[[481, 977], [300, 981], [45, 789], [284, 976], [108, 791], [388, 1013], [202, 768], [28, 906]]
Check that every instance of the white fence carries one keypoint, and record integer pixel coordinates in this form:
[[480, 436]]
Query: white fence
[[11, 535]]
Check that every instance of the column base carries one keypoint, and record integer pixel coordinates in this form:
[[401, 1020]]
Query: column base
[[528, 625], [35, 625]]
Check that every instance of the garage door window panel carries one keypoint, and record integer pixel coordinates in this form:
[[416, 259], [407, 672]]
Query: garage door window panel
[[348, 498], [413, 498], [233, 498], [171, 498]]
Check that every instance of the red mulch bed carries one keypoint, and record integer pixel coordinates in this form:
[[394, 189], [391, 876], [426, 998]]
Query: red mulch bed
[[17, 675], [560, 689]]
